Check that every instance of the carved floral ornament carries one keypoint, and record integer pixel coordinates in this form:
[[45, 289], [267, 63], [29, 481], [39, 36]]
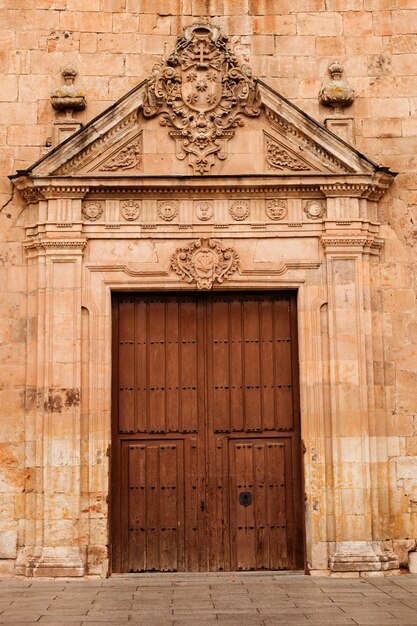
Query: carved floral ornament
[[276, 209], [204, 262], [130, 210], [202, 92]]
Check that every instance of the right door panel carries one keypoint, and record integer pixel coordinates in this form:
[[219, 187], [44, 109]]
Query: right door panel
[[261, 514]]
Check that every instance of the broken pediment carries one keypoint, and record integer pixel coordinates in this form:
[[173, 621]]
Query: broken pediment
[[201, 113]]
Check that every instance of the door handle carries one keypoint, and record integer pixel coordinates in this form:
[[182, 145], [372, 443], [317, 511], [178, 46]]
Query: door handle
[[202, 505]]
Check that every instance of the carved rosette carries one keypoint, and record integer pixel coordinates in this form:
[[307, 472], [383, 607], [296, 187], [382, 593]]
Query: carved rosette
[[276, 209], [205, 261], [314, 209], [239, 210], [167, 210], [202, 91]]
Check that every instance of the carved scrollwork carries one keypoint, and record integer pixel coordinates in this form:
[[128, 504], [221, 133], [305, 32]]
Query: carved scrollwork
[[126, 159], [202, 91], [205, 261], [279, 158]]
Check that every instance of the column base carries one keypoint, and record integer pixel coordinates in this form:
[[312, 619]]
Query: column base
[[49, 562], [362, 556]]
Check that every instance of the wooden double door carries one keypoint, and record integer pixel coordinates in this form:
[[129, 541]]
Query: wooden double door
[[206, 470]]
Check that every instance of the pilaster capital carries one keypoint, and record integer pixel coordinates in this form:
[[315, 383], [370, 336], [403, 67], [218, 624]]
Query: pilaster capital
[[71, 246], [366, 243]]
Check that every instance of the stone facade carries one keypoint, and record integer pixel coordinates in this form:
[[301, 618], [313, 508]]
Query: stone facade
[[272, 199]]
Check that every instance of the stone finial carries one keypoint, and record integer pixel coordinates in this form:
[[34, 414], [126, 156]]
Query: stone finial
[[68, 98], [336, 94]]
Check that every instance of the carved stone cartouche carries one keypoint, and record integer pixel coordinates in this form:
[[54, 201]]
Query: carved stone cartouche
[[202, 91], [336, 94], [68, 98], [205, 261]]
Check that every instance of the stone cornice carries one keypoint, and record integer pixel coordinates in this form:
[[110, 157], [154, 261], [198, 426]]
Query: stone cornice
[[370, 186]]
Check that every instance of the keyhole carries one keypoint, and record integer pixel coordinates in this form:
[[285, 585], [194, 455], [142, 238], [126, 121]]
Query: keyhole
[[245, 498]]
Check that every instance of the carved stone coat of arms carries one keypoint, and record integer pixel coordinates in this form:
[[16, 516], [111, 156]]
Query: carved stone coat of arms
[[202, 91]]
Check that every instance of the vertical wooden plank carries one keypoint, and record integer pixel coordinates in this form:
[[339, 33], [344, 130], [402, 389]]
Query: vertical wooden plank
[[277, 505], [152, 507], [127, 367], [252, 364], [172, 391], [237, 391], [171, 525], [219, 375], [261, 505], [191, 504], [283, 367], [136, 508], [267, 365], [141, 405], [188, 365], [156, 365]]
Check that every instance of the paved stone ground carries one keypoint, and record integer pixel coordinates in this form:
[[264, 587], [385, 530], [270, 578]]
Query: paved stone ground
[[200, 599]]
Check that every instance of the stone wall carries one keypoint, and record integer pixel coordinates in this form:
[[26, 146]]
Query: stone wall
[[114, 45]]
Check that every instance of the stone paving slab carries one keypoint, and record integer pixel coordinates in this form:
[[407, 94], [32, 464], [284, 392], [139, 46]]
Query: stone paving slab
[[263, 599]]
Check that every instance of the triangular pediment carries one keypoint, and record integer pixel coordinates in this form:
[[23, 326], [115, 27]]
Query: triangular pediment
[[201, 114]]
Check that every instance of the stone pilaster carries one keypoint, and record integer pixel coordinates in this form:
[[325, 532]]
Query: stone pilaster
[[350, 353], [51, 536]]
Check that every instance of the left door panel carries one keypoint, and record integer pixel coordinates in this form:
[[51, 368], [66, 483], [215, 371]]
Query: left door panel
[[154, 495]]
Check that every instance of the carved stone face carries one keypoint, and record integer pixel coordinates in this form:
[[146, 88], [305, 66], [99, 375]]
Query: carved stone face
[[92, 211], [167, 210]]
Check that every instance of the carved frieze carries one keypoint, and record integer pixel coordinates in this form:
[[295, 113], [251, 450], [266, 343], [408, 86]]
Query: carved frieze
[[239, 210], [130, 210], [276, 209], [205, 261], [92, 211], [203, 92], [314, 209]]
